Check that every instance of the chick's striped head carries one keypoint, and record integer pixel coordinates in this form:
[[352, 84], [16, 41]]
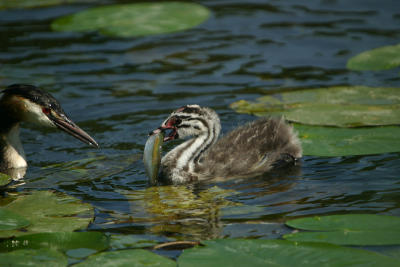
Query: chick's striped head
[[189, 120]]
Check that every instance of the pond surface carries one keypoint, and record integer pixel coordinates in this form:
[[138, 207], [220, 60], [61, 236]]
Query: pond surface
[[120, 89]]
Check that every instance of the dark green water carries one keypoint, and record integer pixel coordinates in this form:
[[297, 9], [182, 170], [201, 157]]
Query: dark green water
[[120, 89]]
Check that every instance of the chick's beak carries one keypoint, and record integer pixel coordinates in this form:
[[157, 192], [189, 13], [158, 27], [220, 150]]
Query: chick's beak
[[64, 123], [173, 134]]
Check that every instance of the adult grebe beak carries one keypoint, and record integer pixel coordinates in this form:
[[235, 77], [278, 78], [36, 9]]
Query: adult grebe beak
[[64, 123]]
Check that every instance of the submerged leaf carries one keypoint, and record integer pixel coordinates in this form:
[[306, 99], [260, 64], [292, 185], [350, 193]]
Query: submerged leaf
[[49, 212], [258, 252], [381, 58], [139, 19], [131, 241], [91, 168], [351, 229], [130, 257]]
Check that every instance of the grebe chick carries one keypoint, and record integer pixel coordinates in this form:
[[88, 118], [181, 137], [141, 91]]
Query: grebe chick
[[247, 151], [27, 103]]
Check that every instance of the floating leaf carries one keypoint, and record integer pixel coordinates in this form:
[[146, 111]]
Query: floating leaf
[[333, 142], [352, 229], [135, 19], [130, 257], [10, 220], [95, 167], [336, 106], [63, 241], [258, 252], [382, 58], [7, 4], [33, 257], [49, 212]]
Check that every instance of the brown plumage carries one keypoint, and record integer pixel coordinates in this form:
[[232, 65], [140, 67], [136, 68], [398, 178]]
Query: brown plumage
[[249, 150]]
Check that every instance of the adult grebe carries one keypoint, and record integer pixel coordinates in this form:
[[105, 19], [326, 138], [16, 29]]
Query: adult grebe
[[27, 103], [250, 150]]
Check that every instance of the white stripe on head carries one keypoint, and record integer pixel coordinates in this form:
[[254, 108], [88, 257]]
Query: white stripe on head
[[33, 113]]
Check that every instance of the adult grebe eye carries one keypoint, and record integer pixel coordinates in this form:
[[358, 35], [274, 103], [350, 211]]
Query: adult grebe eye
[[46, 111]]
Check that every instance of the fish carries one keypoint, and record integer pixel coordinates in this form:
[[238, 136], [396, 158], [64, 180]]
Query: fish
[[152, 155]]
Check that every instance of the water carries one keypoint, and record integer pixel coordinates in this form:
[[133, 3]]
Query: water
[[120, 89]]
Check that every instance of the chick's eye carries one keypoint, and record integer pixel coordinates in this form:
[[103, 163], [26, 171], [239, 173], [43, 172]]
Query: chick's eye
[[46, 111], [178, 121]]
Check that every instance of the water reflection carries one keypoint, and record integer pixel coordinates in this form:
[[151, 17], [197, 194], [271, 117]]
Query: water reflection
[[197, 211], [177, 211]]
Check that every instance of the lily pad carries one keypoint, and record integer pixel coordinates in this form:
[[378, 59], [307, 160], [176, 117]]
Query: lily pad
[[49, 212], [139, 19], [382, 58], [344, 106], [334, 142], [129, 258], [8, 4], [352, 229], [258, 252], [63, 241], [10, 220], [33, 257]]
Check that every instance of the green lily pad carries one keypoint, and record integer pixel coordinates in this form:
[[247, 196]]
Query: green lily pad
[[63, 241], [49, 212], [344, 106], [333, 142], [8, 4], [33, 257], [382, 58], [9, 220], [129, 258], [130, 20], [258, 252], [5, 179], [352, 229]]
